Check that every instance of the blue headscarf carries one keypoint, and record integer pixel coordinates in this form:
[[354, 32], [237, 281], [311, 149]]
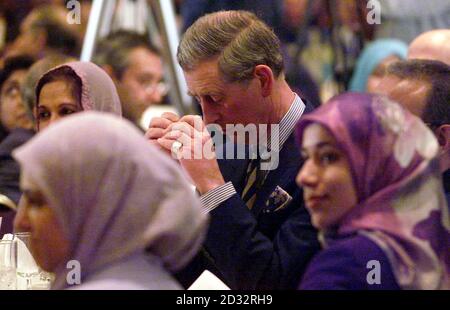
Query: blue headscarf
[[372, 55]]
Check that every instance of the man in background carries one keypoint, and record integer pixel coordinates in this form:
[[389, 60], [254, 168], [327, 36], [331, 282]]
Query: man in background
[[136, 68], [423, 87]]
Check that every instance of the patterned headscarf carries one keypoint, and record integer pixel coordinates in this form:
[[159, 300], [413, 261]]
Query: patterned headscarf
[[401, 204], [114, 194]]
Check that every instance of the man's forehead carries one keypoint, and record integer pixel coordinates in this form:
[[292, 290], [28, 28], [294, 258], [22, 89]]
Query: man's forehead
[[410, 93], [392, 84], [203, 82]]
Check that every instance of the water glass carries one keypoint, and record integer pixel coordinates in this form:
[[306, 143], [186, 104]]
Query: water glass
[[26, 266], [29, 275], [7, 265]]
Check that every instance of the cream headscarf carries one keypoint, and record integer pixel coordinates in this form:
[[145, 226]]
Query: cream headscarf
[[113, 193]]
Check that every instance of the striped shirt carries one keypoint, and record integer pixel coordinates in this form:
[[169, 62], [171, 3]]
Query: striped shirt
[[216, 196]]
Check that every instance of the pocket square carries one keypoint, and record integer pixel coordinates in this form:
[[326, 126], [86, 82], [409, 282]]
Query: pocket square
[[279, 199]]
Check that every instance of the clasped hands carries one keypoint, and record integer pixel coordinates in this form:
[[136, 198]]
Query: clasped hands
[[187, 140]]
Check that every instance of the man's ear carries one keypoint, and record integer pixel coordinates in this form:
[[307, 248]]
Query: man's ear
[[266, 79], [443, 135]]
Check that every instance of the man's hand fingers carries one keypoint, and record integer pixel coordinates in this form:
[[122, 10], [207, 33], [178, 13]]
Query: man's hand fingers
[[160, 122], [166, 143], [170, 116], [183, 127], [155, 133], [195, 121]]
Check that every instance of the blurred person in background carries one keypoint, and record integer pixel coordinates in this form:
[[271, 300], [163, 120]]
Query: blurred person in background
[[136, 68], [373, 61], [17, 126], [326, 38], [71, 88], [67, 89], [406, 19], [423, 87], [22, 132], [45, 30], [34, 74]]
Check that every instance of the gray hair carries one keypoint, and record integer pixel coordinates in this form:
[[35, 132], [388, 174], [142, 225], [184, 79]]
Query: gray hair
[[239, 39]]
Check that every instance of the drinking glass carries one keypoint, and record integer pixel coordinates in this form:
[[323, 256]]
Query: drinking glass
[[7, 265], [26, 266]]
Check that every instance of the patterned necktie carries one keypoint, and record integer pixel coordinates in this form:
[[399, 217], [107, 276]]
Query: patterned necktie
[[253, 183]]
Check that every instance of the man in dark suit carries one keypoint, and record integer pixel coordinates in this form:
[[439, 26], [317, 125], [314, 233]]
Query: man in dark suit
[[260, 235]]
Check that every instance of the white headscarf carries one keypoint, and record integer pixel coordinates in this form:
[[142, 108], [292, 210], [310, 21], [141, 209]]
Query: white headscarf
[[113, 193]]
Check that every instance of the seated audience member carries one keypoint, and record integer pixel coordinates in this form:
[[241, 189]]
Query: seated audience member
[[108, 200], [432, 45], [74, 87], [9, 168], [423, 87], [34, 74], [18, 129], [136, 68], [373, 61], [260, 235], [379, 230], [45, 31], [70, 88]]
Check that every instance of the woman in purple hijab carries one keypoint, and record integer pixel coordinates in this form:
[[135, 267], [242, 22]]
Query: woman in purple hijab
[[372, 185], [106, 209], [74, 87]]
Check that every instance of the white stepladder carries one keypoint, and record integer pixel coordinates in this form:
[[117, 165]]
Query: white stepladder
[[160, 22]]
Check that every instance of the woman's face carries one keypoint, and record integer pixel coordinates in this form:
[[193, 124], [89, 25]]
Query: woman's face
[[326, 179], [48, 245], [56, 100]]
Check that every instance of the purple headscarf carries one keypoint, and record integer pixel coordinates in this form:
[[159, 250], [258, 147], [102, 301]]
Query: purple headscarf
[[98, 91], [114, 194], [401, 203]]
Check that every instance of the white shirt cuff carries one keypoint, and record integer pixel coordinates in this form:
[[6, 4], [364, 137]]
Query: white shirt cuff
[[215, 197]]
